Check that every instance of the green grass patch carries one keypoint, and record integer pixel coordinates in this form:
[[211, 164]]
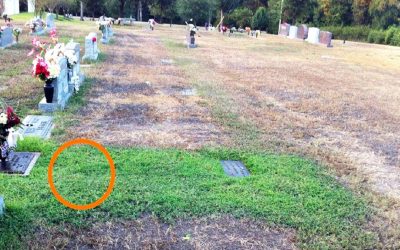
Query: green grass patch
[[171, 184]]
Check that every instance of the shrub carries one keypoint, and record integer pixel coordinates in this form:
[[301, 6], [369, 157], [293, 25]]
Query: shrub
[[240, 17], [353, 33], [376, 36], [390, 34], [396, 38], [260, 19]]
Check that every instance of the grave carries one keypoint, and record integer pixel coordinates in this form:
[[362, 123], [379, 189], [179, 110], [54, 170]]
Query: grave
[[20, 163], [293, 32], [37, 126], [284, 29], [105, 37], [38, 23], [76, 69], [167, 61], [325, 38], [6, 38], [189, 92], [91, 49], [50, 21], [235, 169], [313, 35], [2, 206], [302, 32], [61, 90]]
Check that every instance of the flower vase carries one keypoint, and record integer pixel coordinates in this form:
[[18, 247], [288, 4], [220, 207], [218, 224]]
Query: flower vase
[[49, 90]]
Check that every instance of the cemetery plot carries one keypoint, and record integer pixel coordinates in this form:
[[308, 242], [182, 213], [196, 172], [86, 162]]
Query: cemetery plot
[[37, 126], [235, 169], [20, 163]]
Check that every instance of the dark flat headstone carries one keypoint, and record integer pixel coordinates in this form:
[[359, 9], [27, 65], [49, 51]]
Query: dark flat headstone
[[235, 168], [20, 163], [37, 126], [2, 206]]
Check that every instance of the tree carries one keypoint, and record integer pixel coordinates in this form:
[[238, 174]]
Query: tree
[[199, 10], [384, 12], [240, 17], [336, 12], [260, 19], [164, 9], [361, 12], [298, 11]]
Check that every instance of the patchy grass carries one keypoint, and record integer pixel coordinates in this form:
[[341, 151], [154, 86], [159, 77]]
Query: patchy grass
[[171, 184]]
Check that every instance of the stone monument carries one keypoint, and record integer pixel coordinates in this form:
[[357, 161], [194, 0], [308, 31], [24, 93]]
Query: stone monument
[[293, 32], [2, 206], [76, 69], [91, 49], [313, 35], [302, 32], [325, 38], [284, 29], [105, 37], [37, 126], [6, 38], [50, 21], [61, 90], [11, 7]]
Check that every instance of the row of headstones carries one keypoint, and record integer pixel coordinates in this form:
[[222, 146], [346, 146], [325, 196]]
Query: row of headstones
[[41, 26], [312, 35]]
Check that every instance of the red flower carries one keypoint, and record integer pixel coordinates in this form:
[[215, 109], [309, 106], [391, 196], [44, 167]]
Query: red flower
[[94, 39], [13, 119]]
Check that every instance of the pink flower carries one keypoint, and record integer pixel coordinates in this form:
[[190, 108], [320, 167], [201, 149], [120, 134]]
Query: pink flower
[[31, 53], [94, 39], [53, 33]]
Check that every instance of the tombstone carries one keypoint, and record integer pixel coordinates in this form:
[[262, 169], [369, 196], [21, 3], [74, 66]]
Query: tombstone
[[284, 29], [39, 29], [91, 49], [105, 37], [293, 32], [2, 206], [191, 41], [61, 90], [313, 35], [302, 32], [20, 163], [50, 21], [76, 69], [325, 38], [37, 126], [235, 169], [31, 6], [7, 38], [11, 7]]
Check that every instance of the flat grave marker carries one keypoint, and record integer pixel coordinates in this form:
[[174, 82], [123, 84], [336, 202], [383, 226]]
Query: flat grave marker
[[235, 169], [37, 126], [2, 206], [20, 163], [189, 92]]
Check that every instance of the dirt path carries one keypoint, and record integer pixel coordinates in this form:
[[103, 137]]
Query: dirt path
[[141, 98]]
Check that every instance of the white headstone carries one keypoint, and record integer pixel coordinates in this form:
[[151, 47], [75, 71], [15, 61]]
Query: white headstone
[[293, 32], [7, 38], [50, 21], [61, 90], [105, 38], [91, 49], [313, 35], [76, 69], [11, 7], [31, 6]]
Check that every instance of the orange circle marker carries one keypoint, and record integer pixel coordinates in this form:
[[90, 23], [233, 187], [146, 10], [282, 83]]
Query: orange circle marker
[[110, 186]]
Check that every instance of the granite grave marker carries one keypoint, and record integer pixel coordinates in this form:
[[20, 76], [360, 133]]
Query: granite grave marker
[[20, 163], [302, 32], [235, 169], [37, 126], [91, 48], [6, 38]]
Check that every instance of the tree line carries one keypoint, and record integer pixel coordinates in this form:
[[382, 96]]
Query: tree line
[[265, 14]]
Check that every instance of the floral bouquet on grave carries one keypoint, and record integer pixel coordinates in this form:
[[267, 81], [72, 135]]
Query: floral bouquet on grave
[[72, 58], [8, 139], [17, 32]]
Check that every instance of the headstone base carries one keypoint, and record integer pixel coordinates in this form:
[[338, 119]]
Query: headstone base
[[38, 33], [8, 45], [20, 163], [53, 107]]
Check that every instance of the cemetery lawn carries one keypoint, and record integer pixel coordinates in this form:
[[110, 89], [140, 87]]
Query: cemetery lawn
[[284, 191]]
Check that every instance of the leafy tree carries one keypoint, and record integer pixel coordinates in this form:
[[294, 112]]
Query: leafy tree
[[384, 12], [240, 17], [260, 19], [298, 11], [361, 11], [199, 10], [336, 12], [164, 9]]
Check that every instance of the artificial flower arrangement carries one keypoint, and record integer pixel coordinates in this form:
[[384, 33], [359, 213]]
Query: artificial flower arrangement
[[8, 120], [35, 23], [17, 32]]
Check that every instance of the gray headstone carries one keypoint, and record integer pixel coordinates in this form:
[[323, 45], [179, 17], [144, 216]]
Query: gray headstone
[[2, 206], [37, 126], [7, 38], [91, 49], [76, 69], [235, 169], [20, 163], [50, 21]]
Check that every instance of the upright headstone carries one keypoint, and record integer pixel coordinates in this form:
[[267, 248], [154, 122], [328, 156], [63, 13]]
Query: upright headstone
[[61, 90], [50, 21], [6, 38], [76, 69], [31, 6], [11, 7], [293, 32], [325, 38], [302, 32], [91, 49], [284, 29], [2, 206], [105, 37], [313, 35]]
